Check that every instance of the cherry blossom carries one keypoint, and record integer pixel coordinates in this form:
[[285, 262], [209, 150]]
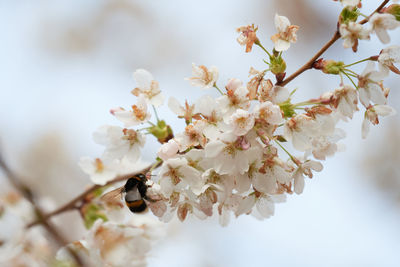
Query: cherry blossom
[[306, 169], [147, 87], [370, 87], [371, 116], [242, 122], [344, 100], [388, 57], [286, 33], [247, 36], [380, 23], [203, 77], [136, 116], [120, 142], [168, 150], [351, 33]]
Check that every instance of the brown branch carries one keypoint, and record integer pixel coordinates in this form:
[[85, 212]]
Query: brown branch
[[334, 38], [28, 195], [74, 203]]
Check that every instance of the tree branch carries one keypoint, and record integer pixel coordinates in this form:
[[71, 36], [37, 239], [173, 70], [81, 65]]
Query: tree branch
[[334, 38], [73, 204]]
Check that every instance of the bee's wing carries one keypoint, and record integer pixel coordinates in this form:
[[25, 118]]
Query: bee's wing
[[113, 196]]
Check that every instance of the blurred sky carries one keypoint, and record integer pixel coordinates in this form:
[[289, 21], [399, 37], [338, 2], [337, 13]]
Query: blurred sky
[[64, 64]]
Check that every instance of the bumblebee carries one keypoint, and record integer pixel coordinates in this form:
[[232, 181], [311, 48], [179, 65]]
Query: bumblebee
[[135, 190]]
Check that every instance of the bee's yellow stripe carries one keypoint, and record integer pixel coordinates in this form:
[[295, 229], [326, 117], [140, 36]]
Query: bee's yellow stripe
[[134, 204]]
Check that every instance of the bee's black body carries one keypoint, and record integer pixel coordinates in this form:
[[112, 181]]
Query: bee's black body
[[135, 192]]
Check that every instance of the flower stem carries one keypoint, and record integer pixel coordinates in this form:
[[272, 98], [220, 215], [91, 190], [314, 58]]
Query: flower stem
[[219, 90], [353, 73], [357, 62], [305, 103], [155, 112], [263, 48], [348, 76], [284, 149]]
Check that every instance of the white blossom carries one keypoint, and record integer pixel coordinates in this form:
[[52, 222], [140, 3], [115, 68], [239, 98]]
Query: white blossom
[[380, 23], [351, 33], [100, 172], [103, 170], [269, 113], [242, 121], [388, 57], [136, 116], [203, 77], [235, 98], [247, 36], [147, 87], [177, 175], [306, 169], [168, 150], [227, 156], [371, 116], [369, 83], [120, 142], [286, 33], [345, 100], [192, 136]]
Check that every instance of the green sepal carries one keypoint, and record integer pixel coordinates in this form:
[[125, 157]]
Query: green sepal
[[161, 131], [277, 64], [333, 67], [394, 10], [287, 108], [348, 14]]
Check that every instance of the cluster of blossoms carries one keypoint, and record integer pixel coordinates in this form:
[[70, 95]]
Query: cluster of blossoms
[[233, 156], [352, 31]]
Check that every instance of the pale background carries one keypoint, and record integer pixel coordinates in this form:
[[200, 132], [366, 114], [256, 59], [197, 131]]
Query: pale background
[[64, 64]]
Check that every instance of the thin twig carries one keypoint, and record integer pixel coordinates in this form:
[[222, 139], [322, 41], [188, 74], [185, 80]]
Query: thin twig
[[28, 195], [334, 38], [73, 204]]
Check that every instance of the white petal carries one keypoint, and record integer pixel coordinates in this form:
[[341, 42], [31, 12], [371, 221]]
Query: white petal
[[364, 96], [281, 45], [143, 79], [157, 100], [265, 183], [246, 205], [382, 35], [384, 110], [175, 107], [377, 95], [265, 207], [298, 182], [281, 23], [214, 148]]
